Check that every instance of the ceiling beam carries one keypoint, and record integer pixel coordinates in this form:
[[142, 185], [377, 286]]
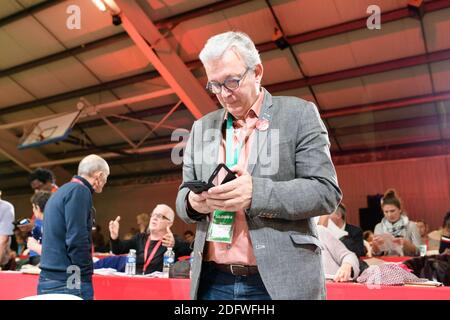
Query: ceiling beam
[[390, 125], [28, 11], [65, 54], [118, 37], [386, 66], [392, 152], [264, 47], [108, 155], [164, 58], [80, 92], [111, 162], [106, 148], [150, 112], [386, 105], [358, 24]]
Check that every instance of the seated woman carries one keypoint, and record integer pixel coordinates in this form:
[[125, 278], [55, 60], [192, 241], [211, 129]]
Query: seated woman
[[337, 259], [444, 246], [395, 235]]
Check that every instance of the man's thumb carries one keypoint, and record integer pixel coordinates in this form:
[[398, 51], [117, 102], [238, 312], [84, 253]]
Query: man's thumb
[[238, 170]]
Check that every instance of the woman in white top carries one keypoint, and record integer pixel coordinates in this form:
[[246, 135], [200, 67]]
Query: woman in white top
[[395, 235], [338, 261]]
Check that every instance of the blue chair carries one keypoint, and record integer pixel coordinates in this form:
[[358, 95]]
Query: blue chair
[[115, 262]]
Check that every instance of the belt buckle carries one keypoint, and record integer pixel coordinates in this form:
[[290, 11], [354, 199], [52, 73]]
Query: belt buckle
[[237, 266]]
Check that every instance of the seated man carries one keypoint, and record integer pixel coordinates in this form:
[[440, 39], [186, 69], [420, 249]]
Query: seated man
[[40, 180], [368, 238], [354, 240], [150, 246], [189, 237], [338, 261], [38, 202]]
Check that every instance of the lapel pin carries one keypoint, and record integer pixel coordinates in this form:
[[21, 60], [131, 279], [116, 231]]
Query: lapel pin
[[262, 124]]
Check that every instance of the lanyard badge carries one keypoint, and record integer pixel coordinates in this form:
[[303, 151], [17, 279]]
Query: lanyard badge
[[222, 224]]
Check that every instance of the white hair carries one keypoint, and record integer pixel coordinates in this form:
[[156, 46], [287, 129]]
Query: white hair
[[167, 209], [91, 164], [239, 42]]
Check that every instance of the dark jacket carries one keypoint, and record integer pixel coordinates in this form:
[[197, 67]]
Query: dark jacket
[[354, 240], [67, 238], [435, 267], [138, 242]]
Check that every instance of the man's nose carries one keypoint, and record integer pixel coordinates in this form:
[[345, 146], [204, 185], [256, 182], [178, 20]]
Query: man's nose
[[225, 92]]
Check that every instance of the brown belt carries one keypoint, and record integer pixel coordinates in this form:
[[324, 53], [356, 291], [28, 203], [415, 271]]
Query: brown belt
[[236, 269]]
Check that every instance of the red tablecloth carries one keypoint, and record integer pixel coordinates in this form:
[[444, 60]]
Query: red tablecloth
[[391, 258], [356, 291], [14, 285]]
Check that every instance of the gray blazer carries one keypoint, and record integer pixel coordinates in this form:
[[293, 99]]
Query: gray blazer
[[293, 180]]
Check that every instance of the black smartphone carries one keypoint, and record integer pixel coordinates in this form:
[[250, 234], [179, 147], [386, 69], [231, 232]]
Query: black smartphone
[[225, 172], [198, 186]]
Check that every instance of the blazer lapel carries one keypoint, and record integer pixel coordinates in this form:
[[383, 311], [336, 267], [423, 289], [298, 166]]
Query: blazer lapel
[[211, 143], [260, 138]]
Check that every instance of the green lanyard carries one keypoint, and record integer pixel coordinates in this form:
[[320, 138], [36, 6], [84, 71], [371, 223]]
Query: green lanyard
[[232, 157]]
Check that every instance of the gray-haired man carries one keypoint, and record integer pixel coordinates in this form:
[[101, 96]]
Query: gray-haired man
[[66, 261], [260, 240]]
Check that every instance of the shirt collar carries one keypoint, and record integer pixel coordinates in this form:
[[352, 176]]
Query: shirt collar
[[256, 107], [85, 182]]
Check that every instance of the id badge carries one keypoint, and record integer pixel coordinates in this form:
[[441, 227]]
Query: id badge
[[221, 227]]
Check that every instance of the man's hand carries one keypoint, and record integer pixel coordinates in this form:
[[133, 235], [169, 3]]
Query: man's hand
[[168, 240], [198, 202], [234, 195], [323, 220], [344, 273], [114, 228], [34, 245]]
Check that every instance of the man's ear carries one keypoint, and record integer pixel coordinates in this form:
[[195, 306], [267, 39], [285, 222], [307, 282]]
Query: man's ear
[[259, 71]]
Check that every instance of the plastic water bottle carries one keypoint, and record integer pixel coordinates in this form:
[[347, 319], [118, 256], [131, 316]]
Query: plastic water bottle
[[191, 263], [423, 250], [130, 267], [169, 260]]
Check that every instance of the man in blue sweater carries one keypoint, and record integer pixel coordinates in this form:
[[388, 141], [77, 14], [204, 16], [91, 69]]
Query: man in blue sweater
[[66, 261]]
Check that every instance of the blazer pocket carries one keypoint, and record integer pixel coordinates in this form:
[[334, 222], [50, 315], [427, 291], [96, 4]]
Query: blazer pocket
[[307, 241]]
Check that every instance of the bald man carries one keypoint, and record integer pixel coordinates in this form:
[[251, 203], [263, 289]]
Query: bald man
[[66, 260], [157, 239]]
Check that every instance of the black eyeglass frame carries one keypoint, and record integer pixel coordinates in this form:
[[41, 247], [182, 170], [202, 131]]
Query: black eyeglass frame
[[237, 82]]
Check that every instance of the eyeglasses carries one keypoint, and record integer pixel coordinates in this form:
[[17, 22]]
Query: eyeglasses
[[159, 216], [230, 83]]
